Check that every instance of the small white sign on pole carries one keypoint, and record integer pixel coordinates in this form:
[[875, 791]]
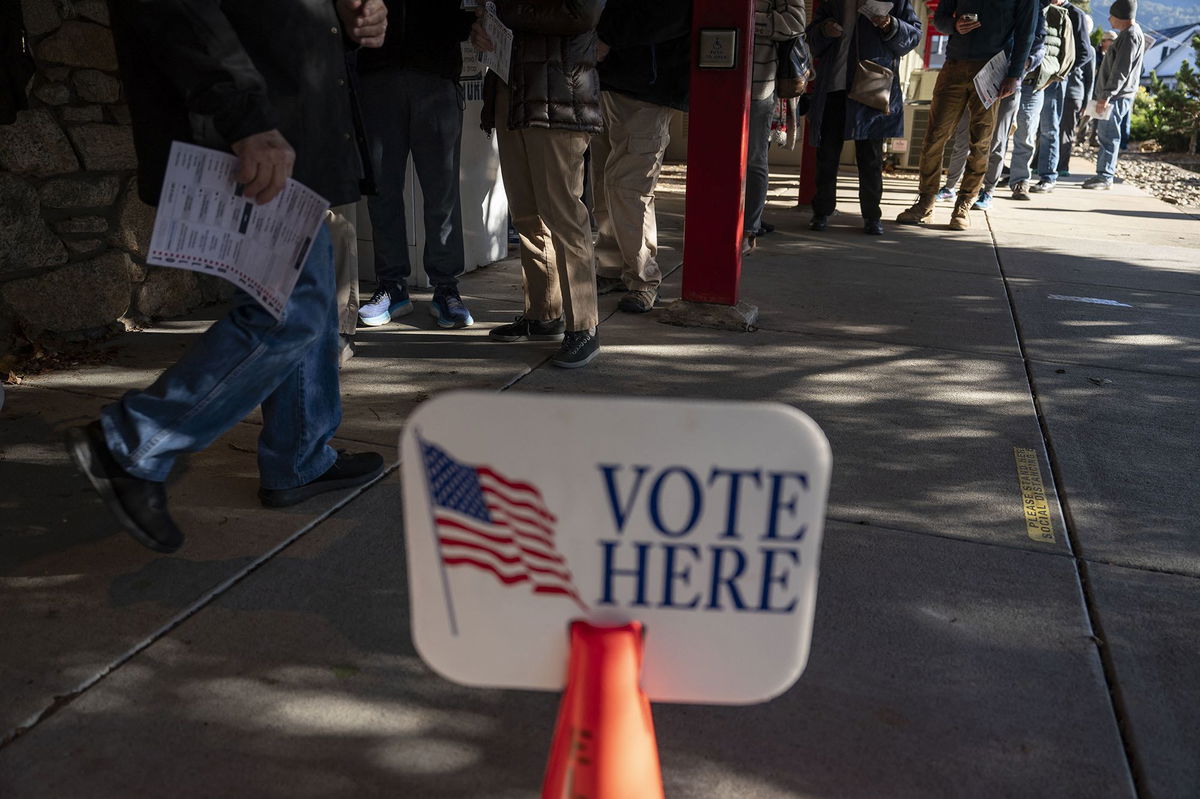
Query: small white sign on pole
[[702, 520]]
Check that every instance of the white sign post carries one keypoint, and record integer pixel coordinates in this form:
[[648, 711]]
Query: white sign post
[[701, 520]]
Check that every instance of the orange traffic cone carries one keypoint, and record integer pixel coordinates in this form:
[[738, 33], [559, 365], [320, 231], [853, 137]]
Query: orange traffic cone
[[604, 745]]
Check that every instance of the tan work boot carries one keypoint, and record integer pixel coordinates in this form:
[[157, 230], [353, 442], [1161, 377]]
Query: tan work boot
[[920, 212], [960, 219]]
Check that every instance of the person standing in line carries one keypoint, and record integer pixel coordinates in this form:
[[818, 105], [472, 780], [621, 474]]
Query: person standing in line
[[840, 38], [1076, 93], [1117, 82], [1033, 93], [545, 117], [238, 80], [413, 105], [775, 21], [978, 31], [1006, 114], [644, 73], [1054, 102]]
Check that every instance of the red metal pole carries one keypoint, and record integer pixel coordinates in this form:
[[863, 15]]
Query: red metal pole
[[716, 188]]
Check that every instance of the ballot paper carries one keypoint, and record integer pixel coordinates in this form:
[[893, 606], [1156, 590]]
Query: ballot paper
[[1090, 110], [498, 60], [205, 224], [875, 8], [988, 79]]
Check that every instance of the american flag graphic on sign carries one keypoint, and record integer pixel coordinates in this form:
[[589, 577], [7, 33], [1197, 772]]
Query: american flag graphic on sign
[[490, 522]]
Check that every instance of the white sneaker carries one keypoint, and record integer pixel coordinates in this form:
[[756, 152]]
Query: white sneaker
[[384, 306]]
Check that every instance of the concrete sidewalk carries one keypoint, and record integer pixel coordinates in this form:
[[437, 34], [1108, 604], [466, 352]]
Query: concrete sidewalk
[[954, 655]]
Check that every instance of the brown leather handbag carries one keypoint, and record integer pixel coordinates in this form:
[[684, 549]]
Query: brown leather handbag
[[872, 86]]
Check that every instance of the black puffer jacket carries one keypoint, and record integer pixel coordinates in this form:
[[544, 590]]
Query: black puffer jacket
[[553, 82]]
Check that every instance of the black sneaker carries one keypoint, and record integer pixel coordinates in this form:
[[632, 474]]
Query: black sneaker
[[348, 471], [139, 505], [579, 347], [522, 329]]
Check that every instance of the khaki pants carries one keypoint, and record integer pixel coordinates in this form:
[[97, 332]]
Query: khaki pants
[[626, 161], [953, 93], [345, 263], [543, 176]]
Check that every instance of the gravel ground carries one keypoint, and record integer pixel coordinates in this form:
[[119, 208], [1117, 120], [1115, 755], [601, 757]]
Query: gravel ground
[[1161, 174]]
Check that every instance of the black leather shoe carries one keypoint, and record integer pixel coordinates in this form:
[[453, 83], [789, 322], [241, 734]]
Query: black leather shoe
[[819, 222], [139, 505], [873, 227], [348, 471]]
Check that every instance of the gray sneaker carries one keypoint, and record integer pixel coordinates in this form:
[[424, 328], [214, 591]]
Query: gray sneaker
[[1020, 190]]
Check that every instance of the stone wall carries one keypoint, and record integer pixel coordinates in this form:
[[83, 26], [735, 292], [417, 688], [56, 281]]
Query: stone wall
[[73, 232]]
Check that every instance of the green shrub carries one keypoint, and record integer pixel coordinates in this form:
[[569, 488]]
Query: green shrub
[[1143, 118]]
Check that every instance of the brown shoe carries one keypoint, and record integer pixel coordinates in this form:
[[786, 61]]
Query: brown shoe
[[920, 212], [960, 219]]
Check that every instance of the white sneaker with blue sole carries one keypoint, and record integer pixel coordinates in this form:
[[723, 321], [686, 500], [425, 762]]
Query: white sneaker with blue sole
[[385, 306]]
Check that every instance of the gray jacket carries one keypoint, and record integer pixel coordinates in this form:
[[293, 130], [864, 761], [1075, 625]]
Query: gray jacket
[[1121, 70]]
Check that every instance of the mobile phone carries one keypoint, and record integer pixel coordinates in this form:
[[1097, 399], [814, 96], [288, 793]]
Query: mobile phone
[[969, 17]]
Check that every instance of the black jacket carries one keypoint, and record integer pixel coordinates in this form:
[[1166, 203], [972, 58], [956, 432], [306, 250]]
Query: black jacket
[[651, 48], [553, 82], [213, 72], [422, 34]]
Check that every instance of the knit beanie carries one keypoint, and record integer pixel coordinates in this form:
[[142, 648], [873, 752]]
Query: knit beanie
[[1123, 9]]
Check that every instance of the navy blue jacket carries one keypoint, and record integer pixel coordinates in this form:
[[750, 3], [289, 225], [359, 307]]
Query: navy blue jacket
[[651, 46], [869, 43], [1006, 25]]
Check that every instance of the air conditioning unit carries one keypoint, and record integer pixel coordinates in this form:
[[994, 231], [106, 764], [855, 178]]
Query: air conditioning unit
[[916, 122]]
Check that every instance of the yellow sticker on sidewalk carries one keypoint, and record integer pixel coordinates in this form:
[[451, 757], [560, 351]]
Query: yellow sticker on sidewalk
[[1033, 496]]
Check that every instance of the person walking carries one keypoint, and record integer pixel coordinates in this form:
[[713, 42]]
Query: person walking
[[413, 105], [841, 38], [644, 75], [1117, 82], [544, 117], [775, 21], [241, 81], [978, 31]]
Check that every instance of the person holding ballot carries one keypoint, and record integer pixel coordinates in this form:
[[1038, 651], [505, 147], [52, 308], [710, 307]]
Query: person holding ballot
[[848, 38], [1117, 82], [978, 31], [267, 81]]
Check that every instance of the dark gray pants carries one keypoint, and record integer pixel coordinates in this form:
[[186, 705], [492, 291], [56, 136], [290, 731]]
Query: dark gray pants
[[407, 111]]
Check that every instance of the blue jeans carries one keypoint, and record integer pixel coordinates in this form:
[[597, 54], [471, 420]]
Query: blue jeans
[[1052, 111], [407, 111], [1108, 136], [246, 359], [1029, 109], [757, 171]]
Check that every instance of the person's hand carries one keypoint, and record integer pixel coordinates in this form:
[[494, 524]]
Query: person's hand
[[964, 26], [1008, 86], [831, 29], [883, 22], [364, 21], [265, 162], [602, 51], [1101, 106], [479, 38]]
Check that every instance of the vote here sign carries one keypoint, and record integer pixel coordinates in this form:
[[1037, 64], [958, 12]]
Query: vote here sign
[[702, 520]]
